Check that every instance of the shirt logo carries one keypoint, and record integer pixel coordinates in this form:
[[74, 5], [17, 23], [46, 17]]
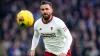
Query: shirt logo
[[40, 29], [48, 35]]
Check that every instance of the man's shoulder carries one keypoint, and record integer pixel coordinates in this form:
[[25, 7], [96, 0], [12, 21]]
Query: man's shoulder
[[58, 19], [38, 21]]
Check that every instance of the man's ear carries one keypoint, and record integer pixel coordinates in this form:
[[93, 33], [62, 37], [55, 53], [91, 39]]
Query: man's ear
[[52, 10]]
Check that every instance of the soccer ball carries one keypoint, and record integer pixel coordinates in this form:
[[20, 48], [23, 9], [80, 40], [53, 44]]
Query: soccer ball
[[25, 18]]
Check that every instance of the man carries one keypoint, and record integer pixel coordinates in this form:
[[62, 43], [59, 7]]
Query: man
[[56, 36]]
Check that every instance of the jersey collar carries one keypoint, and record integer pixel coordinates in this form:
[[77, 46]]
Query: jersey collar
[[48, 20]]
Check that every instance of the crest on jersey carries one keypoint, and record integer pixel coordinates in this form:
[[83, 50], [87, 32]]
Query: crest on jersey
[[51, 28]]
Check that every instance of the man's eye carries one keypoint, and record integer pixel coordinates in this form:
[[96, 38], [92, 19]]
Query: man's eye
[[47, 9], [42, 9]]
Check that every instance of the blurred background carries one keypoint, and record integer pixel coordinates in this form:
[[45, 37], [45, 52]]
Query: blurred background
[[82, 17]]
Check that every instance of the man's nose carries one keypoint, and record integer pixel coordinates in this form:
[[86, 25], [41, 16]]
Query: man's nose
[[45, 11]]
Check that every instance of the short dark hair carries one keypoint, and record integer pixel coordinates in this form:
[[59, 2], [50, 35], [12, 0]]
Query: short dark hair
[[46, 2]]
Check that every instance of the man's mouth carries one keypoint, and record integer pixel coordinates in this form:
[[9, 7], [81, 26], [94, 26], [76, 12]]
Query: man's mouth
[[45, 15]]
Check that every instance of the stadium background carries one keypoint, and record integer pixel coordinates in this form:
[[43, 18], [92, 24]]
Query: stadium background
[[82, 17]]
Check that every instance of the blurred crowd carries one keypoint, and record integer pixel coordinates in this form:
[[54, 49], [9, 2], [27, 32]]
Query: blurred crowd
[[82, 17]]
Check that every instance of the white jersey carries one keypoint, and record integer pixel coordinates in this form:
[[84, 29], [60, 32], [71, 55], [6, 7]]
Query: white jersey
[[56, 36]]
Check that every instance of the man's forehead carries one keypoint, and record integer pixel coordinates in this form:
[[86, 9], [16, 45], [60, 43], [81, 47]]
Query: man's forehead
[[45, 6]]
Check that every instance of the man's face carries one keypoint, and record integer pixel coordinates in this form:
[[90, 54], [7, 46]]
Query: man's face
[[46, 11]]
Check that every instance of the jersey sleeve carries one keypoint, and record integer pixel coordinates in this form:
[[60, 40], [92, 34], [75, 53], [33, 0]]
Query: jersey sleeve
[[36, 37], [66, 33]]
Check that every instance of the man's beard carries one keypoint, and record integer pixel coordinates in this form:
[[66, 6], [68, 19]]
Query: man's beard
[[46, 17]]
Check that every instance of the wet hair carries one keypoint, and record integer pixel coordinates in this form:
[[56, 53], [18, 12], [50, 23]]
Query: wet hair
[[46, 2]]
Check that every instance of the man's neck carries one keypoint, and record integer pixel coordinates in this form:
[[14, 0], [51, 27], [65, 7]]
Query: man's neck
[[47, 19]]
